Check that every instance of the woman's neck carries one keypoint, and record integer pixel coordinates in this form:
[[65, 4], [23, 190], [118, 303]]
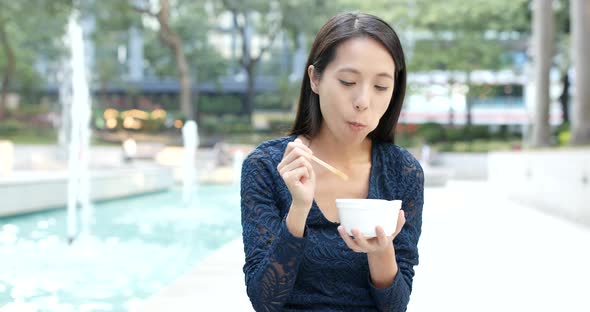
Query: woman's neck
[[345, 153]]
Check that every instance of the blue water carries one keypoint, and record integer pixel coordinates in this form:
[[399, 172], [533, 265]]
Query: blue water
[[134, 248]]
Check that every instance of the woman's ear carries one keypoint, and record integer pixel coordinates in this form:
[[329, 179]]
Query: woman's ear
[[313, 80]]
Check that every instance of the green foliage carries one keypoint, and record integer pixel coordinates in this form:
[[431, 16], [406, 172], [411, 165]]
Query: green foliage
[[250, 138], [466, 53], [490, 91], [431, 132], [21, 132], [33, 30], [192, 23], [34, 136], [9, 128], [296, 17], [406, 138], [289, 93], [28, 110], [564, 134], [451, 34], [465, 139], [152, 125], [465, 34], [474, 15], [475, 132], [477, 146], [453, 134], [438, 133], [225, 104], [189, 19], [280, 126], [271, 101], [225, 124]]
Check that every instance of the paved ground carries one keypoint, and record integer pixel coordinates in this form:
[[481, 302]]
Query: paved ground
[[479, 252], [217, 284]]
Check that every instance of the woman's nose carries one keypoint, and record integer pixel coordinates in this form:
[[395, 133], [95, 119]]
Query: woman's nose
[[362, 101]]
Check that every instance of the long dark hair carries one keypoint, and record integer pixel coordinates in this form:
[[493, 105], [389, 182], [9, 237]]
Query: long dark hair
[[339, 28]]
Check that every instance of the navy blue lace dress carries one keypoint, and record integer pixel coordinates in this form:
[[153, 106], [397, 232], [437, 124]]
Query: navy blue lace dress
[[318, 272]]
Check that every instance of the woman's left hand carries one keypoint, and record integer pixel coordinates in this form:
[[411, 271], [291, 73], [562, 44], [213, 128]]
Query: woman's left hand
[[375, 244]]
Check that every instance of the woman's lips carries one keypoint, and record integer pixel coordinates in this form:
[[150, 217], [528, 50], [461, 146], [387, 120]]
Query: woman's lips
[[356, 126]]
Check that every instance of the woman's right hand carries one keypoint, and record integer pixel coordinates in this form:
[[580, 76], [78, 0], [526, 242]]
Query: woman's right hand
[[297, 172]]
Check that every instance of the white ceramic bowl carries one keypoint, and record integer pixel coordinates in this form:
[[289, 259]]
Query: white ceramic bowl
[[366, 214]]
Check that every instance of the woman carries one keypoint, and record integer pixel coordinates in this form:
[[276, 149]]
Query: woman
[[297, 255]]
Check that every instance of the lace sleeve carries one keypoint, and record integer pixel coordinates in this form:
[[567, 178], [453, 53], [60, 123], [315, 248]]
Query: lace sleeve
[[272, 253], [396, 297]]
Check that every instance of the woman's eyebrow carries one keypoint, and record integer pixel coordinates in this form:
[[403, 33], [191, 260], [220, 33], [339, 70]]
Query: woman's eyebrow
[[355, 71]]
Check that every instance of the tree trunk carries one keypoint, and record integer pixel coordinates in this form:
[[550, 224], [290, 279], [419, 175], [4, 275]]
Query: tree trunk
[[8, 70], [580, 19], [468, 104], [564, 97], [248, 62], [250, 91], [451, 113], [185, 82], [173, 41], [543, 32], [451, 117]]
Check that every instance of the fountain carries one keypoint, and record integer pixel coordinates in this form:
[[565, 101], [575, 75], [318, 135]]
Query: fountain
[[116, 268], [190, 138], [79, 138]]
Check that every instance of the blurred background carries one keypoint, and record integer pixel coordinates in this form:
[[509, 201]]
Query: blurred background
[[123, 125]]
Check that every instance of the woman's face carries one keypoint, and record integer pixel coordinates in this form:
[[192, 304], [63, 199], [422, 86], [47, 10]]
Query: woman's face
[[355, 88]]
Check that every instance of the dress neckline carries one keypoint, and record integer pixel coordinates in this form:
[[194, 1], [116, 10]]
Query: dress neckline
[[315, 209]]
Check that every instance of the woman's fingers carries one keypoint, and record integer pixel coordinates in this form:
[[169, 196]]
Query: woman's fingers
[[348, 240], [297, 163], [401, 220], [296, 144], [294, 176], [366, 245], [382, 239], [360, 240], [296, 170], [294, 154]]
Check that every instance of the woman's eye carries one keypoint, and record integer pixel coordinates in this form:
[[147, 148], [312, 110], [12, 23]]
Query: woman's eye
[[346, 83], [380, 88]]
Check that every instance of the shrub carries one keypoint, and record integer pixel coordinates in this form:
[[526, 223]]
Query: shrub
[[564, 133], [226, 124], [10, 128], [475, 132], [431, 132]]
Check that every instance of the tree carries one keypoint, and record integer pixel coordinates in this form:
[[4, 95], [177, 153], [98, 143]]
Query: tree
[[112, 21], [297, 21], [465, 53], [563, 58], [172, 51], [580, 11], [463, 36], [10, 65], [259, 17], [174, 42], [543, 35], [25, 36], [193, 24]]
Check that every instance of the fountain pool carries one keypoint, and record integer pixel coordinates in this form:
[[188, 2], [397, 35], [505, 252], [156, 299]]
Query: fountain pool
[[137, 246]]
